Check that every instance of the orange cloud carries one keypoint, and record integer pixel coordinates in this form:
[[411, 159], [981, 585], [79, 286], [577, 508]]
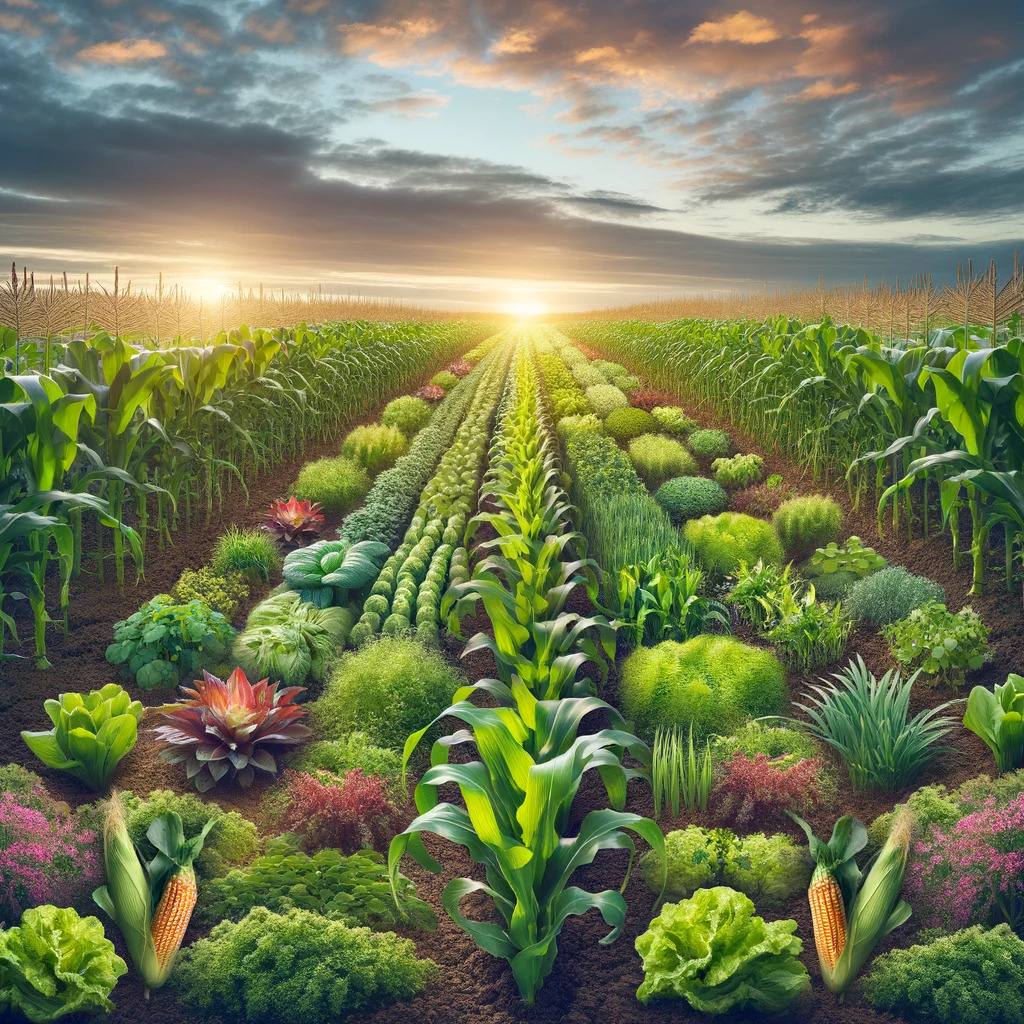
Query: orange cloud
[[825, 89], [741, 27], [123, 51], [389, 43], [517, 40], [271, 31]]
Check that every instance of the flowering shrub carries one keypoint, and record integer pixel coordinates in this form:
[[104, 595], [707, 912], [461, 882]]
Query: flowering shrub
[[973, 872], [349, 812], [46, 856], [758, 791]]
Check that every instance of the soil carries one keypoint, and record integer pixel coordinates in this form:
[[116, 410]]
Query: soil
[[589, 982]]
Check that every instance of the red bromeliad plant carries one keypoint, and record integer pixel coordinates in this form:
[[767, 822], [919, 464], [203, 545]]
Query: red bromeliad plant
[[293, 523], [230, 728]]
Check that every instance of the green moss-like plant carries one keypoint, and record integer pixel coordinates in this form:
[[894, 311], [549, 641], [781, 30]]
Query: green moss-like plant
[[785, 747], [808, 522], [445, 380], [626, 424], [338, 484], [408, 414], [725, 541], [375, 447], [222, 593], [709, 444], [353, 750], [657, 458], [690, 497]]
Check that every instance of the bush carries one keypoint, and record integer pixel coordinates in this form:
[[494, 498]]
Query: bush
[[223, 593], [830, 586], [690, 497], [941, 643], [672, 420], [296, 968], [609, 369], [626, 382], [388, 689], [407, 414], [445, 380], [810, 636], [354, 750], [604, 399], [569, 403], [587, 376], [232, 842], [713, 682], [806, 523], [709, 444], [758, 791], [762, 500], [891, 594], [569, 426], [726, 541], [971, 977], [783, 746], [375, 447], [338, 484], [250, 553], [657, 458], [626, 424], [739, 471]]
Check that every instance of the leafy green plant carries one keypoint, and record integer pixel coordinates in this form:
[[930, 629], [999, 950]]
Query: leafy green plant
[[250, 553], [891, 594], [866, 720], [941, 643], [807, 522], [763, 592], [444, 379], [54, 963], [739, 471], [604, 399], [783, 746], [333, 572], [337, 484], [375, 447], [347, 752], [709, 444], [223, 593], [852, 556], [626, 424], [997, 716], [657, 458], [355, 889], [408, 414], [163, 641], [712, 951], [331, 971], [90, 734], [678, 773], [580, 423], [810, 636], [725, 542], [672, 420], [972, 976], [711, 682], [690, 497]]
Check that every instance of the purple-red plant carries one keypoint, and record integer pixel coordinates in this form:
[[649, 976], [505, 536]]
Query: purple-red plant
[[293, 523], [758, 790], [348, 812], [45, 855], [760, 500], [460, 367], [647, 399], [230, 727], [431, 392], [973, 871]]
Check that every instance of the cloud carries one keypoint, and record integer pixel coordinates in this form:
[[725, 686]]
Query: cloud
[[424, 104], [122, 51], [825, 89], [741, 27]]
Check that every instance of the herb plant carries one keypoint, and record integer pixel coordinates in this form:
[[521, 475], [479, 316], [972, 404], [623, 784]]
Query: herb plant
[[709, 444], [690, 497], [852, 556], [891, 594], [672, 420], [997, 716], [407, 414], [680, 776], [940, 643], [376, 447], [657, 458], [739, 471], [726, 541]]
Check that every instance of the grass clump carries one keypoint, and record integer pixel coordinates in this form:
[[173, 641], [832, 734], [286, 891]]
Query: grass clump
[[724, 542], [709, 444], [626, 424], [891, 594], [657, 458], [251, 554], [338, 484], [808, 522], [407, 414], [604, 399], [712, 682], [690, 497], [375, 447]]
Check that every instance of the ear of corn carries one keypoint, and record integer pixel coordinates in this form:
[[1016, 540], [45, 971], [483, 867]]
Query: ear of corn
[[828, 916]]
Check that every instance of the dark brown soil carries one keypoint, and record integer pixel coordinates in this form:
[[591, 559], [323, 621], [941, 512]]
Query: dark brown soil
[[590, 982]]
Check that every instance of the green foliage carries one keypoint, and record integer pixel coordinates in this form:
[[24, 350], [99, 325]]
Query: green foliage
[[941, 643], [739, 471], [388, 689], [569, 403], [338, 484], [851, 557], [725, 542], [445, 380], [231, 842], [891, 594], [690, 497], [375, 447], [604, 399], [680, 775], [627, 530], [585, 423], [782, 745], [866, 720], [334, 572], [712, 951], [296, 968], [91, 733], [251, 553], [222, 592], [807, 522], [601, 466], [353, 750], [354, 890], [768, 869], [709, 444], [713, 682], [672, 420], [764, 593], [588, 376], [407, 414], [163, 642], [811, 635], [627, 424], [608, 369], [997, 716], [972, 976], [833, 586], [55, 963], [657, 458], [627, 382]]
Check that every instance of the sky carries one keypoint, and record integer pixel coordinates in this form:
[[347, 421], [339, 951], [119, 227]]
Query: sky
[[510, 153]]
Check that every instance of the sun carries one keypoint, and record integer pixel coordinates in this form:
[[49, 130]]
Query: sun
[[524, 308]]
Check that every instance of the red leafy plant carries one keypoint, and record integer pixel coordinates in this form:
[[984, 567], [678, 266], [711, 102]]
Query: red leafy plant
[[230, 728], [348, 812], [460, 367], [431, 392], [293, 523], [760, 500], [759, 791], [587, 350], [647, 399]]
